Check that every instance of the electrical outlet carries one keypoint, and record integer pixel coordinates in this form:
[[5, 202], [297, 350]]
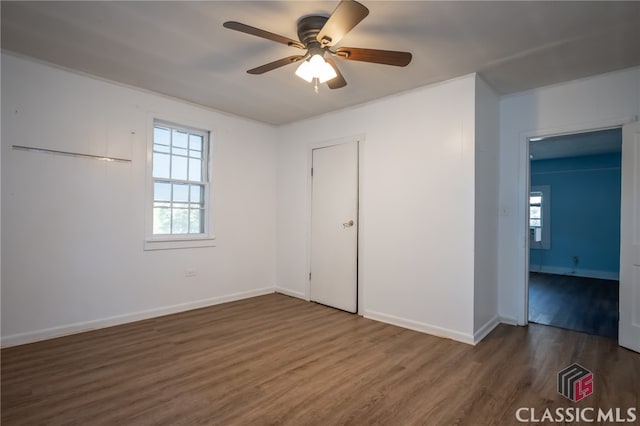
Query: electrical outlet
[[190, 272], [574, 261]]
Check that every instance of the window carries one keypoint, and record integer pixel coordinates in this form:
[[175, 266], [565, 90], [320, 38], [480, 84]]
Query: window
[[539, 223], [180, 185], [535, 210]]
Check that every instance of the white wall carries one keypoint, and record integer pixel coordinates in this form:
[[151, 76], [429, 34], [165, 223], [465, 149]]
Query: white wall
[[416, 262], [73, 228], [591, 103], [486, 210]]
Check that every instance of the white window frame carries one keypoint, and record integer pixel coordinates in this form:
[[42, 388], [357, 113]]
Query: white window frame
[[545, 243], [178, 241]]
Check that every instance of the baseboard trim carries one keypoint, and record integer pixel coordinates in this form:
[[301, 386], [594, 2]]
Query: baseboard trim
[[508, 320], [420, 326], [79, 327], [485, 329], [585, 273], [292, 293]]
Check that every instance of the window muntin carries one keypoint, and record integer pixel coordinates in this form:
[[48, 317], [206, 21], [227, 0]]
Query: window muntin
[[180, 180]]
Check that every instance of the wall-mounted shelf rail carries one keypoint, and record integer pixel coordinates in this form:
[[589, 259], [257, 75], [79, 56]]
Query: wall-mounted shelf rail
[[70, 154]]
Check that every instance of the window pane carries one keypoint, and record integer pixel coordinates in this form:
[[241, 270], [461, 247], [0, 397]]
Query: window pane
[[180, 193], [162, 191], [161, 204], [196, 221], [180, 221], [537, 199], [179, 139], [195, 169], [535, 223], [161, 136], [195, 154], [535, 212], [197, 192], [161, 221], [195, 142], [160, 165], [179, 168], [161, 148]]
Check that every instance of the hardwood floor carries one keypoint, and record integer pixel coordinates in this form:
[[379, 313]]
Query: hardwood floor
[[278, 360], [588, 305]]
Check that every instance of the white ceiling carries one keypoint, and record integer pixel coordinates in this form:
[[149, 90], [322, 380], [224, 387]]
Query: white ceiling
[[181, 49], [577, 145]]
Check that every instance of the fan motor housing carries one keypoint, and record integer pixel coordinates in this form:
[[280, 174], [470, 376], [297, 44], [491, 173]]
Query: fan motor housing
[[309, 27]]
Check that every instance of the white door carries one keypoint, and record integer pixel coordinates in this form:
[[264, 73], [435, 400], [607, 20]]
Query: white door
[[334, 226], [629, 328]]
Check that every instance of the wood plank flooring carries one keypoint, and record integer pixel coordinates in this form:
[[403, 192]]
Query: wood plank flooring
[[588, 305], [278, 360]]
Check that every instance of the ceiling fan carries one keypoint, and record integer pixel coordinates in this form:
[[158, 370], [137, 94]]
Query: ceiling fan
[[318, 34]]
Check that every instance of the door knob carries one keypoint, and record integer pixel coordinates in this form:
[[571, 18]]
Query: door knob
[[348, 224]]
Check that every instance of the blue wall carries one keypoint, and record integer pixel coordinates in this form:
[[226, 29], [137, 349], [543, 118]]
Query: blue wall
[[585, 215]]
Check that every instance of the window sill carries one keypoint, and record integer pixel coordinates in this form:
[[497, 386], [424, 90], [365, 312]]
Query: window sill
[[176, 243]]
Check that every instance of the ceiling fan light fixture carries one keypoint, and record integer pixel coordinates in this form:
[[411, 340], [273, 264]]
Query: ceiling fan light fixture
[[316, 67], [317, 34]]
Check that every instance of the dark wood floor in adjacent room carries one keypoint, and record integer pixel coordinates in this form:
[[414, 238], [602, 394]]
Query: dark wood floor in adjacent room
[[278, 360], [588, 305]]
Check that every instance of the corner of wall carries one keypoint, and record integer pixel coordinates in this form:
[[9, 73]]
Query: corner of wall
[[292, 293], [486, 209], [483, 331]]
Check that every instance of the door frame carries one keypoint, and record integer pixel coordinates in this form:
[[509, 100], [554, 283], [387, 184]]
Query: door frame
[[524, 185], [359, 140]]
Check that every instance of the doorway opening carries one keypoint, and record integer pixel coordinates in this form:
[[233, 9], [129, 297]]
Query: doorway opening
[[574, 231]]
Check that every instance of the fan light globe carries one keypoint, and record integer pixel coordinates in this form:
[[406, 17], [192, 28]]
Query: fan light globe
[[316, 67]]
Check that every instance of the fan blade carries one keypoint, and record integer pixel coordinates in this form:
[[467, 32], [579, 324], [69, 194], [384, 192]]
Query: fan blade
[[346, 16], [386, 57], [275, 64], [243, 28], [338, 81]]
